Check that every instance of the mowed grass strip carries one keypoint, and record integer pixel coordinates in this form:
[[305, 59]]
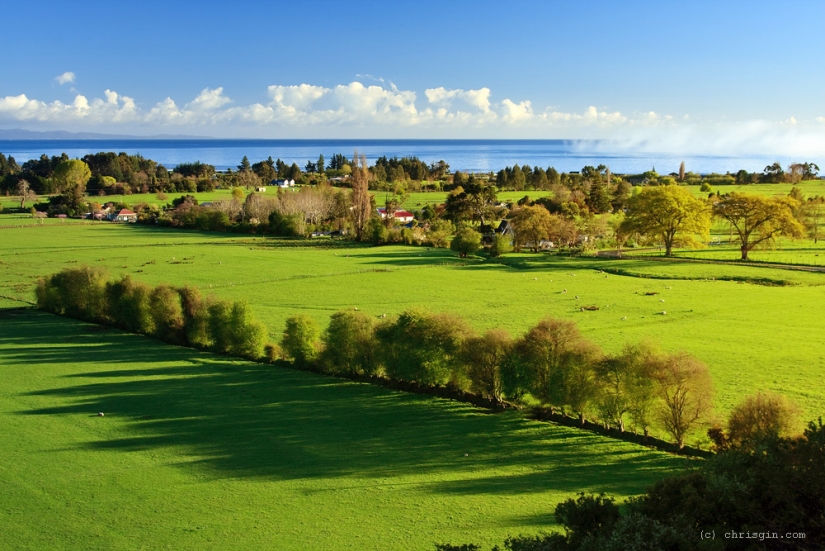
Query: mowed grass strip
[[197, 451]]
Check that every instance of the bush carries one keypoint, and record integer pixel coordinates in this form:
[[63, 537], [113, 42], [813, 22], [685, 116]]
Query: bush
[[761, 418], [502, 244], [350, 344], [167, 314], [196, 318], [466, 242], [272, 352], [300, 340], [75, 292], [233, 330], [483, 357], [377, 231], [127, 304], [247, 335], [423, 347]]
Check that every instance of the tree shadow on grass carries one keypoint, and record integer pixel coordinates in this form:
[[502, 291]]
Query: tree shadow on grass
[[241, 419]]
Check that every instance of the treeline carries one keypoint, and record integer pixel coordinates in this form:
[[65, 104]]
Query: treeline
[[177, 315], [552, 363], [768, 495]]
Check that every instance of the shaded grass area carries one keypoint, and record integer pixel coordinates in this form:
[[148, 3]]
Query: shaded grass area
[[202, 451], [757, 328]]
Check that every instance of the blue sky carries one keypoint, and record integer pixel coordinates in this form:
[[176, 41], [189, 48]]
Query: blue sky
[[690, 75]]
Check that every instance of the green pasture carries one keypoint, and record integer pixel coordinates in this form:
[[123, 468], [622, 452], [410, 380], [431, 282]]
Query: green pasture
[[199, 452], [808, 187], [800, 252], [757, 328]]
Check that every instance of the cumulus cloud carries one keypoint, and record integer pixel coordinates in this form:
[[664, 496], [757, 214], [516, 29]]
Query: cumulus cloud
[[379, 110], [66, 77], [472, 99]]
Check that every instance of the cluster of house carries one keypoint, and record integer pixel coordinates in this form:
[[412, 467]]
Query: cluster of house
[[112, 215]]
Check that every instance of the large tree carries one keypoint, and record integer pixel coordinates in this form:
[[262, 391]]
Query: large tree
[[560, 365], [670, 213], [626, 386], [70, 178], [759, 219], [531, 226], [25, 192], [685, 389]]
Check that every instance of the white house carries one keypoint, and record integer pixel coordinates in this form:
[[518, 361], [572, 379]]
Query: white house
[[125, 215], [402, 216], [283, 183]]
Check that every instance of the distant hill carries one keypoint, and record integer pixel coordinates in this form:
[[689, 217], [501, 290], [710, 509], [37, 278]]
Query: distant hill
[[20, 134]]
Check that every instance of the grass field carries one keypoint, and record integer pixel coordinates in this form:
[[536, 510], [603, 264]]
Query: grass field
[[808, 187], [201, 452], [757, 328]]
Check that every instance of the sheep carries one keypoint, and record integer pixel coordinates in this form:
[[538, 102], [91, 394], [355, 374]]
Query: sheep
[[661, 300], [577, 297], [100, 414], [664, 313], [564, 291], [356, 308], [535, 279], [624, 318]]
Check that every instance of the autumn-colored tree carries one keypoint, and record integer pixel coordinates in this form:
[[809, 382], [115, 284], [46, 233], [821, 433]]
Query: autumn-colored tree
[[684, 386], [761, 417], [669, 213], [758, 219]]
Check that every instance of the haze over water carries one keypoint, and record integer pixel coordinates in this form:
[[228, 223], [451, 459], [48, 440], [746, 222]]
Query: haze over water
[[464, 155]]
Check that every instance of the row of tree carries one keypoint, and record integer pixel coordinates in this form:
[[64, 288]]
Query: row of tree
[[671, 215], [552, 362], [178, 315]]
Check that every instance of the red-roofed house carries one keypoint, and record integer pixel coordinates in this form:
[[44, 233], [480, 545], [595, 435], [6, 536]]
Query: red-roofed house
[[402, 216], [125, 215]]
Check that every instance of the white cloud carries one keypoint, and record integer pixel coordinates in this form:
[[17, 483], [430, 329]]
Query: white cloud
[[378, 110], [476, 99], [516, 112], [68, 76], [209, 100]]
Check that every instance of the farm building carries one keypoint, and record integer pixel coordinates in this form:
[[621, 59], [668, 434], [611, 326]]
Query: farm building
[[125, 215], [402, 216]]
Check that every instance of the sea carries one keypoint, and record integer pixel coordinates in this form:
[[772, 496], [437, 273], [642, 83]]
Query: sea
[[465, 155]]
